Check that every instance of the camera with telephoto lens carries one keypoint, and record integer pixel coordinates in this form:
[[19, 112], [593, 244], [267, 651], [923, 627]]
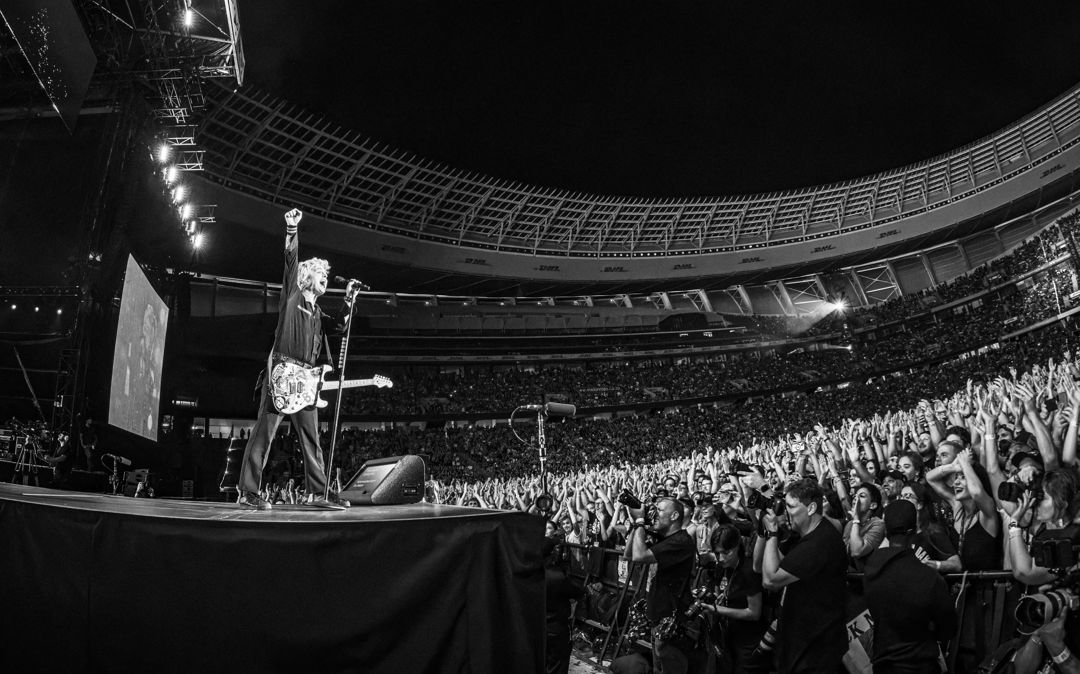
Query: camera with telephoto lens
[[628, 499], [755, 500], [1036, 610], [702, 498], [1057, 552], [1014, 491], [703, 597]]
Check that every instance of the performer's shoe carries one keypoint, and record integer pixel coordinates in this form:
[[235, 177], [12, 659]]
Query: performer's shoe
[[253, 500], [334, 502]]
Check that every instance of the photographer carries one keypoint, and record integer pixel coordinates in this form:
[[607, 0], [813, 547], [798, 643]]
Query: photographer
[[737, 607], [673, 554], [811, 635], [1043, 562]]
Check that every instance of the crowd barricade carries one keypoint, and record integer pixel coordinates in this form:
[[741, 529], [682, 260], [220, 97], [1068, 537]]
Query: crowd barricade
[[985, 603]]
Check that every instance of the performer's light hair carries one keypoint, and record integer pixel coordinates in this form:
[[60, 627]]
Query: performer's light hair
[[309, 269]]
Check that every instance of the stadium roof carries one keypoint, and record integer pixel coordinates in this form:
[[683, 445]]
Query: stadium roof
[[648, 99]]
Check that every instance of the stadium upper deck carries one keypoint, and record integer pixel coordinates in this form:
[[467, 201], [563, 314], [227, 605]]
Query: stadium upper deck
[[424, 216]]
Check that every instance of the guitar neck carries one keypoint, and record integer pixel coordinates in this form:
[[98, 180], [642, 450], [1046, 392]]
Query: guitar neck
[[348, 383]]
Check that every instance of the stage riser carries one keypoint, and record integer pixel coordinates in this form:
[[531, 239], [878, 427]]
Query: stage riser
[[132, 593]]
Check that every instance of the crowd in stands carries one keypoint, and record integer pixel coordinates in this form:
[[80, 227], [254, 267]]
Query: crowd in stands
[[922, 336], [1032, 254]]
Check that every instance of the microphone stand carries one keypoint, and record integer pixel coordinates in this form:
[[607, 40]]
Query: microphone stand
[[541, 441], [350, 298]]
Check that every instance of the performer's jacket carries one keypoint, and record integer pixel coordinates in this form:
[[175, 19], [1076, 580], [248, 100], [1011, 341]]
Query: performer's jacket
[[300, 334]]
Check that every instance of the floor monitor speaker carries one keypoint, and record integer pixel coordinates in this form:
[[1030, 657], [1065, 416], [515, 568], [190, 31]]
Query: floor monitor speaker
[[395, 479]]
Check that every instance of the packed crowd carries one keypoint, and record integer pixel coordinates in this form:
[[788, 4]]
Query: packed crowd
[[944, 439], [921, 336]]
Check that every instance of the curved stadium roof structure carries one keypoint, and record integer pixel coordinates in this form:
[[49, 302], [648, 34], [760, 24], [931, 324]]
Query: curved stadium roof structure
[[419, 223]]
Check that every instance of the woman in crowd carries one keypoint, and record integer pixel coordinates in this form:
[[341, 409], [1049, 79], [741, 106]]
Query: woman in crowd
[[1055, 510], [738, 606], [934, 547], [865, 531], [976, 525], [911, 465]]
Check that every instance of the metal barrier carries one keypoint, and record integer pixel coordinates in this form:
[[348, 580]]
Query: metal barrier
[[985, 603]]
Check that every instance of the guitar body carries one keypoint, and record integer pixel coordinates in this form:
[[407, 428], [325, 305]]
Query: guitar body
[[294, 387]]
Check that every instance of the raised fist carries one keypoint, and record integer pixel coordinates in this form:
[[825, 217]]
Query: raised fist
[[292, 220]]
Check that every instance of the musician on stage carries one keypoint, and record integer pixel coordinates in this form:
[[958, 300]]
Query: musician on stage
[[299, 339]]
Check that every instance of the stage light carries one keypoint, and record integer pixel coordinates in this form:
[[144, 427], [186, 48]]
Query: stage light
[[163, 152], [185, 211], [178, 194], [189, 17], [197, 241], [14, 307], [37, 309], [60, 311], [171, 174]]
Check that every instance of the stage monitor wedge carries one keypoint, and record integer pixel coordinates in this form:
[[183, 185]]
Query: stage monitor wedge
[[389, 481]]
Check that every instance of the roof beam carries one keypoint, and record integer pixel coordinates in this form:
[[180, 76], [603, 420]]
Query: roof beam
[[340, 185]]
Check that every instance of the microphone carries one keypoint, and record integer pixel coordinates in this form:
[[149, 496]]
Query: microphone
[[356, 284], [552, 409], [560, 410], [121, 459]]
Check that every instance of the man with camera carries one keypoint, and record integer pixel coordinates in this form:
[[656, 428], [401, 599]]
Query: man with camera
[[908, 600], [673, 552], [811, 636]]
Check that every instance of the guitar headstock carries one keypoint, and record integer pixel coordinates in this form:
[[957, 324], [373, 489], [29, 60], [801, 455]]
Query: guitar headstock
[[383, 382]]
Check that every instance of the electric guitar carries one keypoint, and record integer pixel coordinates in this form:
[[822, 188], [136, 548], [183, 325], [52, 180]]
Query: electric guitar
[[294, 387]]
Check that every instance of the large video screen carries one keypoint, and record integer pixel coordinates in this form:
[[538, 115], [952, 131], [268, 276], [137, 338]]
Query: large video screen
[[137, 357]]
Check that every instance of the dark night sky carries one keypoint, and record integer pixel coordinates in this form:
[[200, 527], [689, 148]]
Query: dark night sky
[[665, 98]]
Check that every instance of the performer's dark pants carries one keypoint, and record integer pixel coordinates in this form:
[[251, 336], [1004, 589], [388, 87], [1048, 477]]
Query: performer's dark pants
[[257, 450]]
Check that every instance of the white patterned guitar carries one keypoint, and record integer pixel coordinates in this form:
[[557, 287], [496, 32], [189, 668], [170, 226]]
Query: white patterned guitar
[[294, 387]]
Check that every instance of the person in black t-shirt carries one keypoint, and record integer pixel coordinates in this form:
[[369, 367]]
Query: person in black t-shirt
[[909, 602], [931, 543], [669, 594], [560, 590], [738, 603], [811, 635]]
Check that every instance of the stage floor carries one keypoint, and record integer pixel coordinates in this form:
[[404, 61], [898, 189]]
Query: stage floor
[[224, 511]]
